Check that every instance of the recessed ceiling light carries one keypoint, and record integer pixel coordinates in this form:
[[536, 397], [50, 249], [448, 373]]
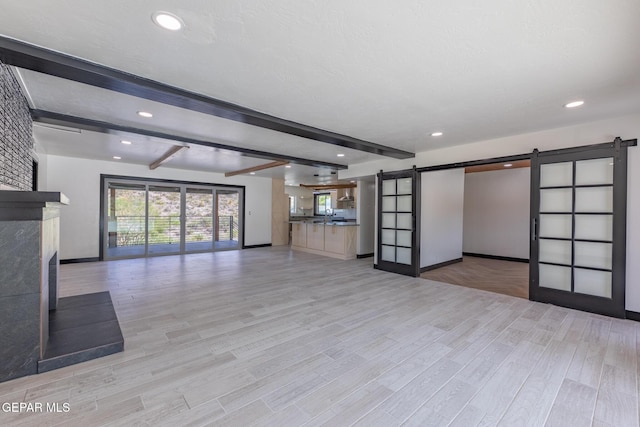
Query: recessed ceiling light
[[117, 157], [288, 166], [252, 173], [353, 182], [167, 20], [125, 142], [340, 155], [574, 104], [145, 114], [507, 165], [436, 134]]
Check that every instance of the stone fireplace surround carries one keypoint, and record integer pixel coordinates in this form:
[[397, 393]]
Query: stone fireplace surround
[[38, 331]]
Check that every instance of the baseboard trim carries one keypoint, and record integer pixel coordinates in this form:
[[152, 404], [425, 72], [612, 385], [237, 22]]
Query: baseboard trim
[[79, 260], [365, 255], [441, 264], [498, 257], [632, 315], [263, 245]]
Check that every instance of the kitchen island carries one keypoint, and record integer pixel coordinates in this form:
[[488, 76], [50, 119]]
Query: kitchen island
[[333, 239]]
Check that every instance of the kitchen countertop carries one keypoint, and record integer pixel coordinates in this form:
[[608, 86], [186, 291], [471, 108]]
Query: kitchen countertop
[[338, 223]]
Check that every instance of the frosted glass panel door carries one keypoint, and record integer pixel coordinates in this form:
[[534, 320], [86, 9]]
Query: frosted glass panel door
[[396, 219], [578, 210]]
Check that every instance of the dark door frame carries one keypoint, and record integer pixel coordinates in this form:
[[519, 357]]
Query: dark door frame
[[106, 177], [614, 306], [412, 270]]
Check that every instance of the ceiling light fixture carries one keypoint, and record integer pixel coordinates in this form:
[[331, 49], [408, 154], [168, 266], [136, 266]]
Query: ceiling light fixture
[[145, 114], [167, 20], [574, 104], [288, 166], [125, 142], [340, 155], [117, 157], [436, 134], [252, 173], [508, 165]]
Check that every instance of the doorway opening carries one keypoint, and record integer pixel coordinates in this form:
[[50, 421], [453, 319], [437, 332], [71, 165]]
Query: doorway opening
[[492, 218]]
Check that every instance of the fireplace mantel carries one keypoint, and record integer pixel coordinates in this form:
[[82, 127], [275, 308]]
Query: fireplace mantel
[[29, 205]]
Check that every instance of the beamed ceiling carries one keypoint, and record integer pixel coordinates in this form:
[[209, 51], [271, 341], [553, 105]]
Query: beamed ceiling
[[245, 84]]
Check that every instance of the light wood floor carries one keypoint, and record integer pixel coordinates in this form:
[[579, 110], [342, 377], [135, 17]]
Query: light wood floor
[[269, 337], [503, 277]]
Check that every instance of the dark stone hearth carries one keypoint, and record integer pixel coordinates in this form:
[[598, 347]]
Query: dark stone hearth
[[83, 327], [84, 300]]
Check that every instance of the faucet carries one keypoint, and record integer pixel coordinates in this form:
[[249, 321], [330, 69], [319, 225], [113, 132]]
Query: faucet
[[326, 214]]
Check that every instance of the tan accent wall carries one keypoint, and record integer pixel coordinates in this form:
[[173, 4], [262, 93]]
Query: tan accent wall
[[279, 213]]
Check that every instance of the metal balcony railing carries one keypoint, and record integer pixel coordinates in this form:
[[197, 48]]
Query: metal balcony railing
[[128, 230]]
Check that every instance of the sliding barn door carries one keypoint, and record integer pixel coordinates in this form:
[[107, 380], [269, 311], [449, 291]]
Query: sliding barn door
[[398, 203], [578, 228]]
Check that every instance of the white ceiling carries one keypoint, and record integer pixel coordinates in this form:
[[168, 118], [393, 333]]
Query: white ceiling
[[380, 70]]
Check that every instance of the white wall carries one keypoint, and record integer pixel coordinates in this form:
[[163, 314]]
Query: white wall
[[441, 212], [496, 213], [626, 127], [366, 212], [79, 179]]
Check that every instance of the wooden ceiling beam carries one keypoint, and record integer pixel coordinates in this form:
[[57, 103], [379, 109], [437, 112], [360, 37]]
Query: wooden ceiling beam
[[166, 156], [257, 168], [328, 186]]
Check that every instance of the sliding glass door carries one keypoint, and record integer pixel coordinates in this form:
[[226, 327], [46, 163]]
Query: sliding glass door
[[227, 219], [199, 219], [146, 218], [126, 220], [164, 232]]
